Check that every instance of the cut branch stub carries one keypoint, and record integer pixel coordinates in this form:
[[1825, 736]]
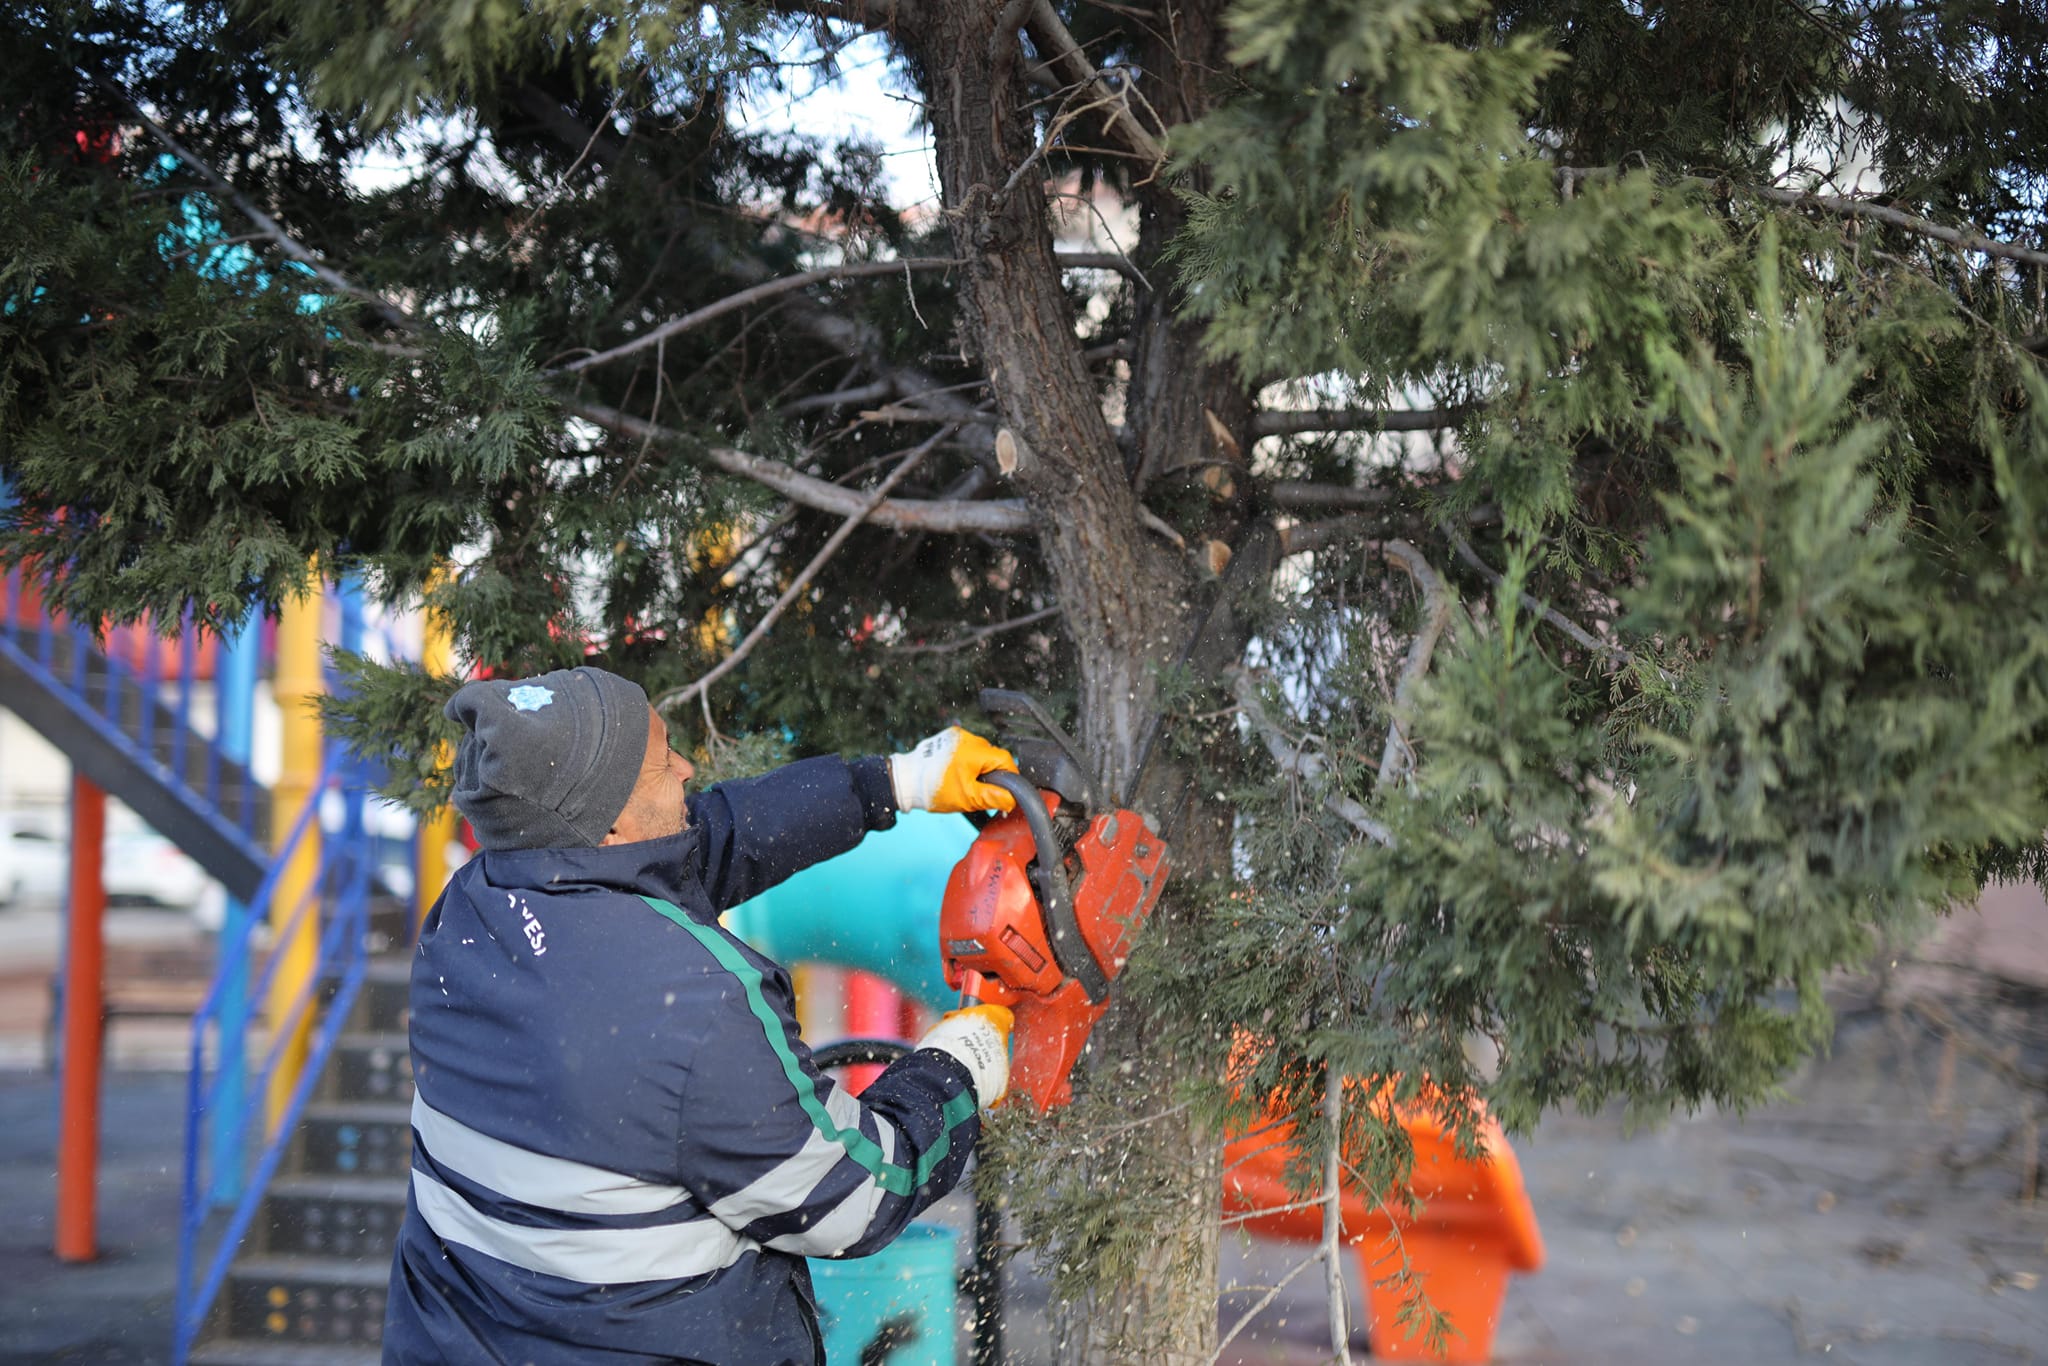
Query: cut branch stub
[[1013, 453]]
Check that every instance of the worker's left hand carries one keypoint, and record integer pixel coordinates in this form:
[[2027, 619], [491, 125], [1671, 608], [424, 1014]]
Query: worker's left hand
[[978, 1037], [944, 774]]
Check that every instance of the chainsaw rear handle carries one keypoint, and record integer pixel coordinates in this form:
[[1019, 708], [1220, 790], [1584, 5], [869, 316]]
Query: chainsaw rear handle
[[852, 1052], [1063, 927], [985, 1281]]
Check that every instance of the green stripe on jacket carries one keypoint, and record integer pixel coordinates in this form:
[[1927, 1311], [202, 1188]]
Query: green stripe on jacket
[[897, 1180]]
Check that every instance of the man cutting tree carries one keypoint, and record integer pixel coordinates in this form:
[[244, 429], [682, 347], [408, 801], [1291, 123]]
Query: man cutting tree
[[622, 1151]]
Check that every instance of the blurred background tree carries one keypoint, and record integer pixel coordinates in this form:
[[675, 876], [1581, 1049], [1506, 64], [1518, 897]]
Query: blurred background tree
[[1544, 502]]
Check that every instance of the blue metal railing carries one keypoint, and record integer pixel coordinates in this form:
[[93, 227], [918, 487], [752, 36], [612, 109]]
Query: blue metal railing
[[127, 704], [338, 902]]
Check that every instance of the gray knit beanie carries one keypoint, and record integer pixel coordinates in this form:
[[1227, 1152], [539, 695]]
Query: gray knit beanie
[[548, 762]]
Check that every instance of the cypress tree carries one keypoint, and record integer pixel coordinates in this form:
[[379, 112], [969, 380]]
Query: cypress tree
[[1546, 507]]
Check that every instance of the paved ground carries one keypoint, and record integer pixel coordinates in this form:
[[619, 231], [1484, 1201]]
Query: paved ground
[[1871, 1219], [116, 1311]]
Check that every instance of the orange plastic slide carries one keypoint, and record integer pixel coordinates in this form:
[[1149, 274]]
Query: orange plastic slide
[[1475, 1226]]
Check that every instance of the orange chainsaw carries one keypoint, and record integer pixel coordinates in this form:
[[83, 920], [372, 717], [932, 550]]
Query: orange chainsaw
[[1041, 913]]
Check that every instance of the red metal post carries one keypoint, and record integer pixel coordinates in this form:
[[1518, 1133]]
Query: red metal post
[[873, 1010], [78, 1136]]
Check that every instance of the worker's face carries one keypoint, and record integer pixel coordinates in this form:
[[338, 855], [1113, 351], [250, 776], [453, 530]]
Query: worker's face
[[656, 807]]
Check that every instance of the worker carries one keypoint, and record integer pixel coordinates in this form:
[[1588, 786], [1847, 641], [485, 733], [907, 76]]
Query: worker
[[622, 1152]]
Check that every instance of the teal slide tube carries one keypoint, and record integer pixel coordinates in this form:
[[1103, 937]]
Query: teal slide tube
[[875, 908]]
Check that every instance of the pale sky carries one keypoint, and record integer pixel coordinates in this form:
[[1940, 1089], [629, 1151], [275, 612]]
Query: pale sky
[[865, 101]]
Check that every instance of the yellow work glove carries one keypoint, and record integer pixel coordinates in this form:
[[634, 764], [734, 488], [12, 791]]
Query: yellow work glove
[[979, 1037], [944, 774]]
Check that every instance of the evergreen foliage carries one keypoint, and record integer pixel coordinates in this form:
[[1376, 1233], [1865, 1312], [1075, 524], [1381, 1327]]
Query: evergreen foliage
[[1733, 314]]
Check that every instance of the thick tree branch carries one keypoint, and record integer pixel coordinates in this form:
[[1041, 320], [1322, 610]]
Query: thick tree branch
[[1002, 517], [1288, 422], [1398, 757], [1101, 260], [839, 398], [1297, 495], [1606, 649], [599, 146], [1296, 759], [786, 284], [753, 294], [1304, 536], [272, 229], [1967, 238], [1362, 820], [1970, 239], [853, 337], [1160, 527], [1071, 67], [863, 394], [966, 639], [554, 192], [1291, 757], [803, 579]]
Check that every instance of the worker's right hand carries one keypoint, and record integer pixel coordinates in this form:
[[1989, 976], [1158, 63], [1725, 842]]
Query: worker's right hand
[[944, 774], [979, 1038]]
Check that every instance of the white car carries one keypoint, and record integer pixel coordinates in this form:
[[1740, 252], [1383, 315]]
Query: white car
[[142, 868], [35, 859], [139, 867]]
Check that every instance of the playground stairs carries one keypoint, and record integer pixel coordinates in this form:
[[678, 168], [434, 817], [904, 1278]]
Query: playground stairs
[[126, 728], [285, 1241], [307, 1286]]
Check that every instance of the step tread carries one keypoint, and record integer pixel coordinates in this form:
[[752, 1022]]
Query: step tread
[[255, 1352], [348, 1271], [381, 1189], [373, 1038], [360, 1111]]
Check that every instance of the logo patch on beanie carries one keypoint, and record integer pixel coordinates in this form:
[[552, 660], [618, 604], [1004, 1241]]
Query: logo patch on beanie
[[529, 697]]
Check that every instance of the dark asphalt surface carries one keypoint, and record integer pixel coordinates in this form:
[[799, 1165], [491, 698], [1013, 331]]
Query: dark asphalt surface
[[1870, 1219]]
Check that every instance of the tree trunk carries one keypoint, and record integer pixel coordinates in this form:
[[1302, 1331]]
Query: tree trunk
[[1132, 605], [1119, 590]]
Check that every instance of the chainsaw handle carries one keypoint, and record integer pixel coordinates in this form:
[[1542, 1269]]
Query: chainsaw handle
[[1063, 927], [849, 1052]]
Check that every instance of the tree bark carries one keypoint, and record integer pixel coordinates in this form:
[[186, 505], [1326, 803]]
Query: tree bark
[[1130, 604], [1183, 408], [1120, 593]]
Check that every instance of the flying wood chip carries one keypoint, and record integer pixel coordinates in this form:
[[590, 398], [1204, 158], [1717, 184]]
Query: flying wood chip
[[1224, 440]]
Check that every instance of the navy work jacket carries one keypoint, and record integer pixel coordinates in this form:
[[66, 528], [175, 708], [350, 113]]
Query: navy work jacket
[[622, 1152]]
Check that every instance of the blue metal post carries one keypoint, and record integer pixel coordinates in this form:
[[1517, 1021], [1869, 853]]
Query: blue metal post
[[355, 777], [149, 686], [235, 683], [188, 674]]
